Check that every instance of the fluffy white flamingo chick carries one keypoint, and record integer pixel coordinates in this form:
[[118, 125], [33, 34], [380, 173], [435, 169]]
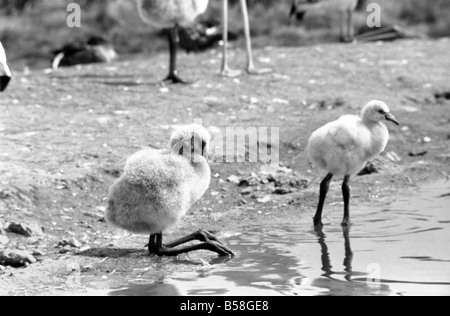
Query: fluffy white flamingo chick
[[343, 148], [158, 187]]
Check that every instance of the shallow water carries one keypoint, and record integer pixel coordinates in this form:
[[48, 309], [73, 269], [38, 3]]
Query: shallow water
[[398, 249]]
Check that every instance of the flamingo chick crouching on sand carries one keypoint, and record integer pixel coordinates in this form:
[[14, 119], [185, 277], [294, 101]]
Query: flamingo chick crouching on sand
[[159, 187], [343, 148], [5, 73]]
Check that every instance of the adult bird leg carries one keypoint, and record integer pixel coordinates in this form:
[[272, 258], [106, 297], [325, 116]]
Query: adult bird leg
[[351, 26], [225, 69], [173, 48], [251, 69]]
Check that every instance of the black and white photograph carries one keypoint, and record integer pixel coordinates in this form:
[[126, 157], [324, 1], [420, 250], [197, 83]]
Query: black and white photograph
[[224, 153]]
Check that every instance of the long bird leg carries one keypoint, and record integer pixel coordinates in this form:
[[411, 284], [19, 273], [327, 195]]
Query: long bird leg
[[346, 193], [173, 47], [342, 35], [225, 69], [251, 69], [351, 27], [156, 247], [324, 188]]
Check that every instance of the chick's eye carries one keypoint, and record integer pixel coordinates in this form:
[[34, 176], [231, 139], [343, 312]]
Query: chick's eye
[[381, 112]]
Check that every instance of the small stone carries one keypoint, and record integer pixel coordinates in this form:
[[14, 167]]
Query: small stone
[[242, 202], [247, 191], [264, 200], [283, 191], [234, 179], [418, 153], [3, 240], [66, 249], [16, 258], [70, 243], [38, 253], [280, 101], [25, 229]]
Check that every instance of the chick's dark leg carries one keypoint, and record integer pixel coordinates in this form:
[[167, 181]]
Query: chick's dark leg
[[346, 194], [156, 246], [324, 188], [173, 48], [201, 235]]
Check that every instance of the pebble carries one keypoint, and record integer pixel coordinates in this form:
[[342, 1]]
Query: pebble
[[3, 240], [264, 199], [234, 179], [16, 258], [70, 243], [24, 229]]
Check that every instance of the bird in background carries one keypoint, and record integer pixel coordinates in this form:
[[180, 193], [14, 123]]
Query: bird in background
[[5, 72], [345, 8], [158, 188], [171, 14], [177, 14], [95, 49], [342, 148]]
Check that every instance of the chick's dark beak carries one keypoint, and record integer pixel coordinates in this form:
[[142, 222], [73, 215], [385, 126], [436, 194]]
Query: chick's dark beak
[[391, 118]]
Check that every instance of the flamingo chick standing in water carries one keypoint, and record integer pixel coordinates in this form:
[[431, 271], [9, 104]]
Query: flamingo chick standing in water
[[171, 14], [251, 69], [159, 187], [5, 73], [343, 148]]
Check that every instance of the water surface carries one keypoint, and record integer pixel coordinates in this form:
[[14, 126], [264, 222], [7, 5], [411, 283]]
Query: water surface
[[397, 249]]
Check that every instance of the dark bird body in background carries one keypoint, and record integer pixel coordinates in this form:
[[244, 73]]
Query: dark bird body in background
[[94, 50], [202, 37]]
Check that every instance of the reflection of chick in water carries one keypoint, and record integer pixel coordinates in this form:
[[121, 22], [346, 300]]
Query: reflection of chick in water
[[348, 286]]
